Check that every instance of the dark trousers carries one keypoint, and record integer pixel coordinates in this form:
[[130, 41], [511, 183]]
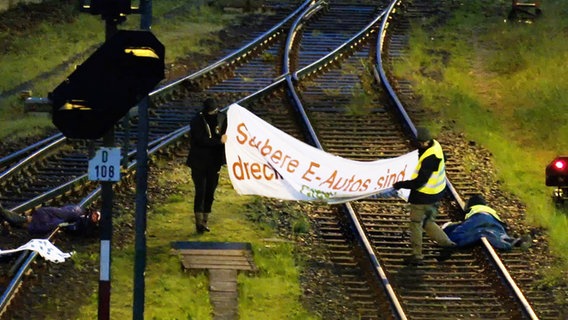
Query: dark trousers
[[205, 180]]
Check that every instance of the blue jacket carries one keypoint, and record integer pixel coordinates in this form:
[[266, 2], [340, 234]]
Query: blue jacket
[[46, 219], [470, 231]]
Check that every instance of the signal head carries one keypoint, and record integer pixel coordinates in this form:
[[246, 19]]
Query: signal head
[[557, 172], [108, 84]]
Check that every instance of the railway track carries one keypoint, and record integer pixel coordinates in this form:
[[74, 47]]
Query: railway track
[[519, 264], [316, 76]]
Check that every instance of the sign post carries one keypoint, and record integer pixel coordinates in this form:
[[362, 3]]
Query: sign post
[[141, 186], [101, 91]]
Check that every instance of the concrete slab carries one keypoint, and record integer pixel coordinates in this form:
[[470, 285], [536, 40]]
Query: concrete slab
[[223, 261]]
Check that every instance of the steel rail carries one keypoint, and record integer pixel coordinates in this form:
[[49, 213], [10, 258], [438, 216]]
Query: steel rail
[[288, 80], [17, 279], [163, 91], [158, 144], [232, 58], [29, 148], [339, 52], [30, 256], [296, 102], [59, 139], [292, 35], [383, 79], [237, 55]]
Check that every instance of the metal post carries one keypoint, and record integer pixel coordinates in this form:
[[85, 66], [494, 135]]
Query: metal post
[[106, 217], [141, 201], [146, 14], [141, 186], [126, 140]]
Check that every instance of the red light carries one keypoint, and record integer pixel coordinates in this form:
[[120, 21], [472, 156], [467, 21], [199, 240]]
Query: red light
[[560, 165], [557, 172]]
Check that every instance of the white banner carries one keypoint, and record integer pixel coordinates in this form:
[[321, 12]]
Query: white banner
[[45, 248], [264, 160]]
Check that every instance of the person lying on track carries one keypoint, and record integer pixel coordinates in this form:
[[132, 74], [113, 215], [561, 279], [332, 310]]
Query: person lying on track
[[482, 221], [72, 218]]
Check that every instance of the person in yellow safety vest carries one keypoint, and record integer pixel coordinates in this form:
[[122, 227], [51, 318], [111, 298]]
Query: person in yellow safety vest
[[482, 221], [427, 187]]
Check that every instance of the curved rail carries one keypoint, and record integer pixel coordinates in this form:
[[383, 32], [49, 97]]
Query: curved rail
[[290, 79], [238, 55], [4, 161], [161, 93], [25, 260], [30, 256], [382, 78], [54, 142], [332, 56]]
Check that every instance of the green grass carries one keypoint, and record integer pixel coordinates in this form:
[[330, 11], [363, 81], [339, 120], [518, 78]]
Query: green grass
[[48, 52], [505, 85], [492, 89], [273, 293], [22, 127], [183, 29]]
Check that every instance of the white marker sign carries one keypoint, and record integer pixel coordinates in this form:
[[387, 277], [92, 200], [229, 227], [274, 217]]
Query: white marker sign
[[105, 166]]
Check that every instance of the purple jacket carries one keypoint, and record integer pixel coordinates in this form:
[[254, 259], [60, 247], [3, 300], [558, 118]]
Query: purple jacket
[[46, 219]]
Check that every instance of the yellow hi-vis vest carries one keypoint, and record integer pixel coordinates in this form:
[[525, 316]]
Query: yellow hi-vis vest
[[481, 208], [437, 181]]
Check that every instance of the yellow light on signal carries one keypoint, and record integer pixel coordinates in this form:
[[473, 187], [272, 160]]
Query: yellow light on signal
[[142, 52], [74, 106]]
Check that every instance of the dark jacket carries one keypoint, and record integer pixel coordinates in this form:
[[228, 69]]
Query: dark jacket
[[46, 219], [206, 148]]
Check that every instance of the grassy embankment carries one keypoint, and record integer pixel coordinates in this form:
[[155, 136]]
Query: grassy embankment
[[506, 85], [40, 56], [273, 293], [170, 293], [505, 90]]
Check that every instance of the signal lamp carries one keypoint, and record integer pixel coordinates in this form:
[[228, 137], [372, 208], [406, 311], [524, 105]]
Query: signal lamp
[[560, 165], [557, 176], [557, 172], [108, 9], [108, 84]]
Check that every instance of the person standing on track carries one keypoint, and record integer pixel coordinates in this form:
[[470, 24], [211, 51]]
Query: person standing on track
[[427, 187], [206, 157]]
